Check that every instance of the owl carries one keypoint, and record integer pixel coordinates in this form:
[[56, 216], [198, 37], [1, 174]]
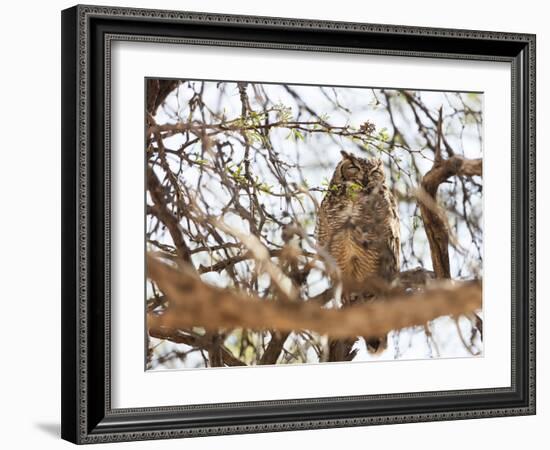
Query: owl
[[358, 225]]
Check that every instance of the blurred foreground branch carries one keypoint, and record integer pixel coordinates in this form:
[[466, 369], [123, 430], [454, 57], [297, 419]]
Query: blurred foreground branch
[[195, 303]]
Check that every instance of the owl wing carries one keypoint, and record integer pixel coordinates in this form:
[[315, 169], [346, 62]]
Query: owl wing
[[322, 225], [381, 231]]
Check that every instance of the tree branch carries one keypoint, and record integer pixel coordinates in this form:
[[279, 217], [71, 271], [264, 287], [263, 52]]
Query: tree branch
[[195, 303], [274, 348], [165, 216], [157, 91], [178, 337], [435, 225]]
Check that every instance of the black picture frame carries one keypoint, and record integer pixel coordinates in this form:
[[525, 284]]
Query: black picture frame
[[87, 32]]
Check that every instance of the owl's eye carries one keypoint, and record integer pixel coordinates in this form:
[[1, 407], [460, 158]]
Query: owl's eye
[[349, 170], [352, 171]]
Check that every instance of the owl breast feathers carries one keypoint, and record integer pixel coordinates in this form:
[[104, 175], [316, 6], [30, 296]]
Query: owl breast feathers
[[358, 223]]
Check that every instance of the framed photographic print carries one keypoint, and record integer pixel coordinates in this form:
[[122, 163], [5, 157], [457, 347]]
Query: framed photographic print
[[267, 222]]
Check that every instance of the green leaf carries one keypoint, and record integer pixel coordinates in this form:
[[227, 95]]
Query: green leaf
[[298, 135], [353, 190], [264, 187], [383, 135]]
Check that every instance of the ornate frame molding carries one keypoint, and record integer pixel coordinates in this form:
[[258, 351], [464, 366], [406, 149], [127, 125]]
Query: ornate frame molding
[[86, 67]]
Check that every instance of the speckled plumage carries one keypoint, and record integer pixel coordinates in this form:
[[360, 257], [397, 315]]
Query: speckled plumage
[[358, 224]]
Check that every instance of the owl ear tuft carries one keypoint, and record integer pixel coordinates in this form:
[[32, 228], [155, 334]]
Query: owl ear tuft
[[345, 154]]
